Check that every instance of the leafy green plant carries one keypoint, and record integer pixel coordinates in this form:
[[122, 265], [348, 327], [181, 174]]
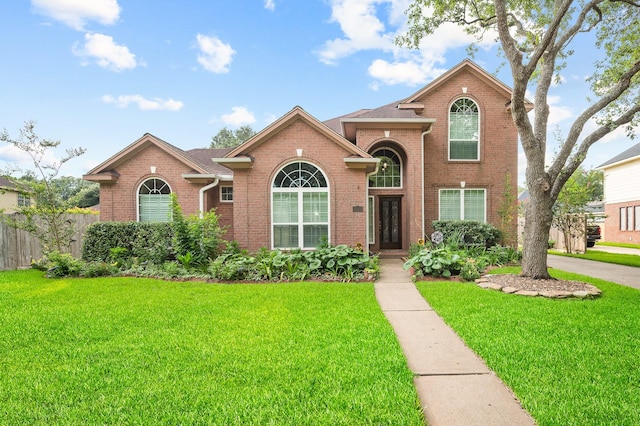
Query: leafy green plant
[[62, 265], [472, 232], [438, 262]]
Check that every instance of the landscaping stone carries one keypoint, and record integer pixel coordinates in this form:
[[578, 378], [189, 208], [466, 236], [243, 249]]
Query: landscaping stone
[[550, 288]]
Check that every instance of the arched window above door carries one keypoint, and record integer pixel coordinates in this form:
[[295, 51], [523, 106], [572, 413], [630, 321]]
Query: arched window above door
[[389, 171]]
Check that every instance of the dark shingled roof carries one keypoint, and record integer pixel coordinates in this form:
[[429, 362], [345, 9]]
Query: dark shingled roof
[[7, 184], [387, 111], [203, 156], [634, 151]]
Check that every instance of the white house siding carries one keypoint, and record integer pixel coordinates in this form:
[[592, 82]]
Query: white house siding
[[622, 182]]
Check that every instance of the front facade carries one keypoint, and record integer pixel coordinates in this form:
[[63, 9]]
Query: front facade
[[622, 196], [375, 178]]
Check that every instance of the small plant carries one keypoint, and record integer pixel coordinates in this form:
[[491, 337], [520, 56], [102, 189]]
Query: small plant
[[62, 265], [439, 262]]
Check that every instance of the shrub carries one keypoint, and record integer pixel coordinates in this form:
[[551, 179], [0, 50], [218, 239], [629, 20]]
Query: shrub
[[62, 265], [146, 242], [438, 262], [472, 232]]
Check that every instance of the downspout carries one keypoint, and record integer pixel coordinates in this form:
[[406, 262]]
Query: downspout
[[425, 133], [202, 191], [375, 170]]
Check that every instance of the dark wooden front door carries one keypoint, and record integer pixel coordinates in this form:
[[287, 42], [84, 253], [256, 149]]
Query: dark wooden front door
[[390, 228]]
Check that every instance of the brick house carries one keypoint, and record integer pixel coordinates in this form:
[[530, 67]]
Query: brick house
[[375, 177], [622, 196]]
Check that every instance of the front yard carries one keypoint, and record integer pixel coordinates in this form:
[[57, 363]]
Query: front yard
[[570, 362], [146, 351]]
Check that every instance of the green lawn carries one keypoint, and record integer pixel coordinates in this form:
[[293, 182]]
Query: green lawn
[[603, 256], [571, 361], [627, 245], [145, 351]]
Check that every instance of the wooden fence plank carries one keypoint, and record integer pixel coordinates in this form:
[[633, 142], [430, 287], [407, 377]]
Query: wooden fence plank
[[18, 247]]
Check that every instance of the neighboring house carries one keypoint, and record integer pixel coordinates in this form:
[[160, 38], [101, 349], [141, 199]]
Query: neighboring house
[[12, 196], [622, 196], [375, 177]]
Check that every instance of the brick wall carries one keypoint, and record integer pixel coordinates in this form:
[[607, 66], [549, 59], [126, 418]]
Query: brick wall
[[252, 187], [118, 201], [612, 223]]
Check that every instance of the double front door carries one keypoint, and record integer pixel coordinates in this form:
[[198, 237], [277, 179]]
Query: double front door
[[390, 224]]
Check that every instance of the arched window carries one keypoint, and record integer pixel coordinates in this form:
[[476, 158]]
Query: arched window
[[300, 207], [154, 201], [464, 130], [389, 172]]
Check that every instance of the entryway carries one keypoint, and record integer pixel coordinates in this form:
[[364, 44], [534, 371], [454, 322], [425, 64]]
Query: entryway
[[390, 223]]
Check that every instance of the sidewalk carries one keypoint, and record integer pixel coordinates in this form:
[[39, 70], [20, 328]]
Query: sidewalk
[[454, 385]]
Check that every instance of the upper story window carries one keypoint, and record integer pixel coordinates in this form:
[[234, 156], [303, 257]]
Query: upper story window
[[389, 171], [464, 129], [154, 201], [300, 207]]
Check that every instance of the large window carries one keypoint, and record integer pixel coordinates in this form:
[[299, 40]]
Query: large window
[[300, 207], [463, 204], [154, 201], [464, 130], [389, 171]]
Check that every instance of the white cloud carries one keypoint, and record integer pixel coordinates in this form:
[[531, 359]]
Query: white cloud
[[214, 56], [105, 52], [14, 157], [238, 116], [269, 5], [374, 25], [76, 13], [557, 113], [155, 104]]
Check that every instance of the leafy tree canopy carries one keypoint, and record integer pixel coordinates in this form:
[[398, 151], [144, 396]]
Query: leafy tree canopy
[[230, 138]]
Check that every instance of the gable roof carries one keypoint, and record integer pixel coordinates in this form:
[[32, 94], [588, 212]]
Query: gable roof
[[198, 159], [630, 154], [8, 184], [467, 65], [408, 111], [239, 156]]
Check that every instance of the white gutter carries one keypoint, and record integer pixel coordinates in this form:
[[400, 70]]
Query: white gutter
[[367, 204], [202, 191], [425, 133]]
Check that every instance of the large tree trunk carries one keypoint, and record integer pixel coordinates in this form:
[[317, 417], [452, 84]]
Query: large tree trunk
[[538, 217]]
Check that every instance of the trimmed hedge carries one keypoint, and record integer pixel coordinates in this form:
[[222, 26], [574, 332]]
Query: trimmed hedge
[[473, 233], [148, 242]]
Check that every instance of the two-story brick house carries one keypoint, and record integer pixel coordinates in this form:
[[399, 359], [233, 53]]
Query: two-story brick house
[[375, 177]]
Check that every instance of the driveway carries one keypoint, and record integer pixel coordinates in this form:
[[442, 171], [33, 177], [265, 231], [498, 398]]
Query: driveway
[[625, 275]]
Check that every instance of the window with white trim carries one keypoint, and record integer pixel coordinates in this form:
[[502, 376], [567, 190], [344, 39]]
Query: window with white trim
[[24, 200], [464, 130], [637, 216], [300, 207], [389, 171], [154, 201], [226, 194], [463, 204]]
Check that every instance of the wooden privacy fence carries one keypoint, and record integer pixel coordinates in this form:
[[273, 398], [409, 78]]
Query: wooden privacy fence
[[18, 247]]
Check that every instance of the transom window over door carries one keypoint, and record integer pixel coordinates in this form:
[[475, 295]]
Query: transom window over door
[[464, 125], [300, 207], [154, 201], [389, 171]]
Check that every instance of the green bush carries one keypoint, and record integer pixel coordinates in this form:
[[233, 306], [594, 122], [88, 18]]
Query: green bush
[[146, 242], [62, 265], [438, 262], [473, 233]]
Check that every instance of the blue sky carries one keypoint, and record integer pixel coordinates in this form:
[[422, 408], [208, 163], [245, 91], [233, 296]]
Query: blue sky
[[99, 74]]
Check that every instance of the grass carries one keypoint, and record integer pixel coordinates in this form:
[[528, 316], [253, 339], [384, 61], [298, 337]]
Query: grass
[[602, 256], [625, 245], [145, 351], [570, 362]]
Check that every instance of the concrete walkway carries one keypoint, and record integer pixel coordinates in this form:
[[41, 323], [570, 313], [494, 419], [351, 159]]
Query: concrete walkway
[[454, 385]]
